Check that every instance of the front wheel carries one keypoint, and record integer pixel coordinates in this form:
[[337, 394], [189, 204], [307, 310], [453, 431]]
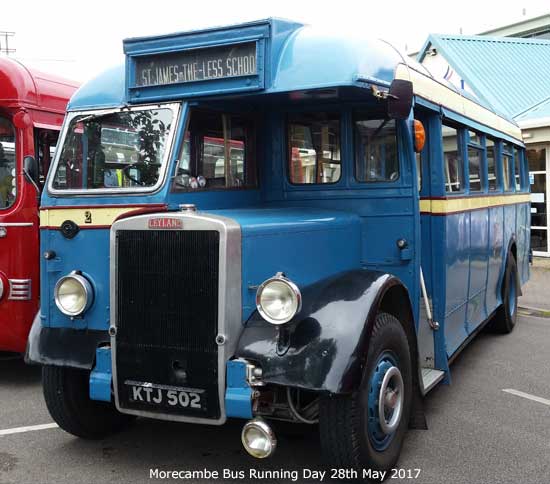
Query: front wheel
[[66, 391], [365, 430]]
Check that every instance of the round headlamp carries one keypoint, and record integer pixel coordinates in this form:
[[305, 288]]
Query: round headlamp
[[258, 439], [73, 294], [278, 300]]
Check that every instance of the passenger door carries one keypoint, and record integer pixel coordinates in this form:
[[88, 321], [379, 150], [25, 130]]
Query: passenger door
[[431, 343]]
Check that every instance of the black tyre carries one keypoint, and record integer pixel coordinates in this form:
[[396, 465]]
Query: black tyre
[[351, 430], [504, 320], [66, 391]]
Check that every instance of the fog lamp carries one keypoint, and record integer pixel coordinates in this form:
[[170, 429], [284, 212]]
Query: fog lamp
[[73, 294], [258, 438], [278, 299]]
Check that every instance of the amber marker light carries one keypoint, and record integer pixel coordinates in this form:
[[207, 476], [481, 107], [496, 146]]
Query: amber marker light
[[419, 136]]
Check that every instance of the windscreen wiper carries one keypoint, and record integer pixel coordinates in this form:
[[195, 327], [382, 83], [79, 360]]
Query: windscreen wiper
[[92, 117]]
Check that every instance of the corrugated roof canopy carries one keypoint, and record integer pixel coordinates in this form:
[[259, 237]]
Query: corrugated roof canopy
[[511, 75]]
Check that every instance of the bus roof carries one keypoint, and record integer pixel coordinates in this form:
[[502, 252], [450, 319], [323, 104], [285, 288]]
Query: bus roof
[[21, 86], [298, 58]]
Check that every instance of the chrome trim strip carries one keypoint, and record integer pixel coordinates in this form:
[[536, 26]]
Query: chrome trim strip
[[176, 108], [19, 290], [229, 291], [16, 224]]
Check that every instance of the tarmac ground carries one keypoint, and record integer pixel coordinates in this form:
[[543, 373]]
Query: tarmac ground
[[491, 425]]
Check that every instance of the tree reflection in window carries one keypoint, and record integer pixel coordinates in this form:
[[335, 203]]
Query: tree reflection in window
[[122, 149]]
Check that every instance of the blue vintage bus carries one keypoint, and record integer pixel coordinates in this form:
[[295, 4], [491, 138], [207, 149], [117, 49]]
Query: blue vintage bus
[[273, 223]]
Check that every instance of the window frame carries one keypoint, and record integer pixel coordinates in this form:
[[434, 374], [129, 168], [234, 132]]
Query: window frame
[[177, 111], [377, 183], [483, 171], [341, 115], [193, 150], [518, 161], [525, 167], [460, 138], [511, 171], [498, 185], [15, 159]]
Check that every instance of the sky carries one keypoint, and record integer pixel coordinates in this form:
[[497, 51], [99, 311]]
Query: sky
[[78, 40]]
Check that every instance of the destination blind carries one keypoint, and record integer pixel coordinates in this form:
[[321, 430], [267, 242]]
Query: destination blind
[[196, 65]]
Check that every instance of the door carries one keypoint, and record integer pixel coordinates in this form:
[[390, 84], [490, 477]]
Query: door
[[539, 158], [425, 333], [18, 238]]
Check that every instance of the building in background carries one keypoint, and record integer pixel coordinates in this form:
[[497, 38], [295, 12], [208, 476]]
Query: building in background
[[534, 28], [507, 69]]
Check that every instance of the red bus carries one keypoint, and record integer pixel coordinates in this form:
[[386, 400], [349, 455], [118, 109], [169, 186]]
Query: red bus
[[32, 108]]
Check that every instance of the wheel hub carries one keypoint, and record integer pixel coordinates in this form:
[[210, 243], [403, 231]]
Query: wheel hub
[[386, 401], [390, 403]]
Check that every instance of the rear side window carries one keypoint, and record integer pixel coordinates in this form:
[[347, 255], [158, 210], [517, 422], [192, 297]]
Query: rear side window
[[507, 168], [475, 155], [314, 155], [517, 169], [491, 165], [452, 159], [376, 153]]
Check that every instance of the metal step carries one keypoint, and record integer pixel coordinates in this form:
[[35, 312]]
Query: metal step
[[430, 378]]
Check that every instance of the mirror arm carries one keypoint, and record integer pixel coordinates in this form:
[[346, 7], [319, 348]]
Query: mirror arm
[[30, 180]]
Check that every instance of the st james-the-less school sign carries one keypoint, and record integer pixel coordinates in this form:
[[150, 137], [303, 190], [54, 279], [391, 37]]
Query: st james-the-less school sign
[[196, 65]]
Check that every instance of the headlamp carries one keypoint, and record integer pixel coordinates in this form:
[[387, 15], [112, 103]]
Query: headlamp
[[278, 299], [73, 294]]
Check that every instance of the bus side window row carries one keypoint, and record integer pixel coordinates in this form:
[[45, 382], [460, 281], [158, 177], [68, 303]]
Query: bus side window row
[[314, 148], [485, 158]]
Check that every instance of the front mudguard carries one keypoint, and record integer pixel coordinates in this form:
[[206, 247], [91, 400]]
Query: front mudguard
[[63, 346], [324, 347]]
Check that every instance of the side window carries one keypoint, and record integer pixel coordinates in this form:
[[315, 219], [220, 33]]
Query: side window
[[506, 167], [475, 153], [46, 141], [218, 152], [8, 187], [491, 164], [376, 152], [452, 159], [314, 155], [517, 168], [526, 177]]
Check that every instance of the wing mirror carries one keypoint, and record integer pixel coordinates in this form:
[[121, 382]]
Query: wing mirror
[[400, 98], [30, 170]]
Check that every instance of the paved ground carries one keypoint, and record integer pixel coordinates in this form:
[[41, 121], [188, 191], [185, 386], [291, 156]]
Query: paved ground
[[537, 290], [478, 433]]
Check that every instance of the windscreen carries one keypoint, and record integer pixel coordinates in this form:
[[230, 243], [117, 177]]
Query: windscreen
[[123, 149]]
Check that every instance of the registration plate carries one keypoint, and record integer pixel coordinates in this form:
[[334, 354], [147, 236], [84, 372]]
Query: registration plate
[[165, 395]]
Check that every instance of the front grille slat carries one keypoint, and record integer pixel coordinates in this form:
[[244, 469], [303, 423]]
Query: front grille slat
[[167, 312]]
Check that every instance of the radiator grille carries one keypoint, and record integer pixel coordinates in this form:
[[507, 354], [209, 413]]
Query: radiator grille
[[167, 314]]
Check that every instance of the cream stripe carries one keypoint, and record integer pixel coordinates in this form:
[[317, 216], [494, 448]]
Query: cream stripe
[[450, 205], [440, 94], [82, 216]]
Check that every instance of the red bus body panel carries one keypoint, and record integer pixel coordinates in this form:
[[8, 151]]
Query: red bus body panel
[[39, 100]]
